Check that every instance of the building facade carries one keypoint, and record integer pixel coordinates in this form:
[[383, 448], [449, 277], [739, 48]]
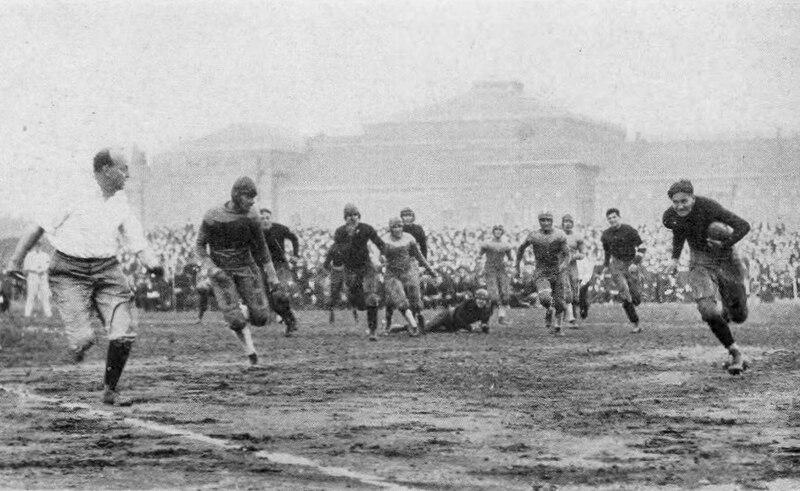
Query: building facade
[[492, 155]]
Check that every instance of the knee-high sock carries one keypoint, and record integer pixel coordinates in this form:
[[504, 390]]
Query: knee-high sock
[[372, 318], [722, 331], [630, 310], [117, 356], [245, 338], [409, 315], [389, 314]]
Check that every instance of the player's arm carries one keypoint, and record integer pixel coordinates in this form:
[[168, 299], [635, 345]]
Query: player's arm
[[375, 239], [580, 251], [134, 239], [207, 266], [641, 249], [678, 239], [739, 225], [414, 248], [606, 252], [521, 254], [258, 246], [295, 243], [423, 243], [565, 254], [25, 243]]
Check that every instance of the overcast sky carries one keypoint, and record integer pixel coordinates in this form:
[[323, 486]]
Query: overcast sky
[[79, 75]]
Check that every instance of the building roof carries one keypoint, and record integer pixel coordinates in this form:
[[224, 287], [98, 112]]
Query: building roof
[[249, 136], [487, 101]]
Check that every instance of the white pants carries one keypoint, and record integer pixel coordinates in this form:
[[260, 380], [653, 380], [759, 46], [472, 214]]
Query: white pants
[[38, 287]]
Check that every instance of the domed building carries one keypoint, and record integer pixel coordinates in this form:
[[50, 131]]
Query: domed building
[[492, 155]]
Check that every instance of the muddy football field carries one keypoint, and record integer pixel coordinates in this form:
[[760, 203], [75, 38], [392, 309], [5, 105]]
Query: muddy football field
[[599, 408]]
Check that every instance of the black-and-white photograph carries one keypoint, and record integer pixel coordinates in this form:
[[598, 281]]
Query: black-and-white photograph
[[410, 245]]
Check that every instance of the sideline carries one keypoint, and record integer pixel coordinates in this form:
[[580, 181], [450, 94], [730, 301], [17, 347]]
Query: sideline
[[85, 410]]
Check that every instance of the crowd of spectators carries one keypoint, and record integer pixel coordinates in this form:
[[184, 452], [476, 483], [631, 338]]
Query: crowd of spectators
[[772, 253]]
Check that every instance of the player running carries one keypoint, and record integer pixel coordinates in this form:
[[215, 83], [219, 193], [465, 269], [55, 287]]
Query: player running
[[361, 278], [463, 315], [577, 251], [275, 236], [498, 284], [416, 231], [715, 270], [401, 278], [552, 256], [624, 252], [233, 254]]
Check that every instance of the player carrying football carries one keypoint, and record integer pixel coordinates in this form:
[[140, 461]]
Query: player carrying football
[[551, 252], [494, 270], [715, 270]]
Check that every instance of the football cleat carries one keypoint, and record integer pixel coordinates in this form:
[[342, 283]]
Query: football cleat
[[253, 357]]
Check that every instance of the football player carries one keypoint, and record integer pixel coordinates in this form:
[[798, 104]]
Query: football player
[[551, 252], [462, 316], [624, 251], [498, 284], [716, 273]]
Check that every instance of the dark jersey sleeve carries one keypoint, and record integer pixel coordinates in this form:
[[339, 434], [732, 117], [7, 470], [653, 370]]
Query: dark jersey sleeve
[[606, 248], [521, 250], [423, 243], [258, 246], [288, 234], [669, 219], [373, 236]]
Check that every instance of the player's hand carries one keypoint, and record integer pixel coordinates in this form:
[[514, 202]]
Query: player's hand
[[715, 244], [214, 272], [633, 268], [293, 260]]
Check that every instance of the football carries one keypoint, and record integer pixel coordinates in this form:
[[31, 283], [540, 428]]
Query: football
[[719, 231]]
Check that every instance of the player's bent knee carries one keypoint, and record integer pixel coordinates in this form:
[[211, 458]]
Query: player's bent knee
[[709, 310], [235, 319], [372, 300]]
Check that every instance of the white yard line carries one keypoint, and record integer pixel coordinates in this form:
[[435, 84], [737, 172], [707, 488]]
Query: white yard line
[[87, 411]]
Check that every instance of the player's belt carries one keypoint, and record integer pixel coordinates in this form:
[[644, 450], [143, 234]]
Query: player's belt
[[83, 259]]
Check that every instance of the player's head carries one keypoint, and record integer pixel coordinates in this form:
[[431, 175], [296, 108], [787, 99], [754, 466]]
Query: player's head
[[266, 217], [396, 227], [481, 297], [546, 221], [351, 214], [498, 231], [111, 169], [567, 222], [243, 193], [682, 195], [612, 216], [407, 214]]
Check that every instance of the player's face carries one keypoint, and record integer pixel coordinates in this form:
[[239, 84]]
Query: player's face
[[352, 219], [497, 233], [481, 302], [397, 231], [118, 173], [546, 224], [245, 201], [407, 219], [682, 203], [613, 220], [567, 225], [266, 219]]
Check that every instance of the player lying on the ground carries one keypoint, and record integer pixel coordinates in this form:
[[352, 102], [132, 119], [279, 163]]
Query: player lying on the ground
[[462, 316], [716, 273]]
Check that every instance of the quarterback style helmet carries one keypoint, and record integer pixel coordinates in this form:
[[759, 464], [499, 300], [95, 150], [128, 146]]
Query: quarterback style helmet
[[351, 209]]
